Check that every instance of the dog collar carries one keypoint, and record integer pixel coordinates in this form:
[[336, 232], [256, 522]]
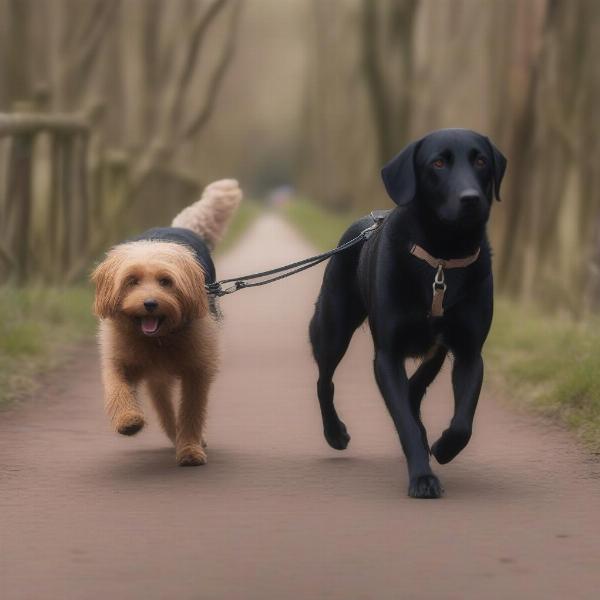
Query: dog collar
[[439, 283]]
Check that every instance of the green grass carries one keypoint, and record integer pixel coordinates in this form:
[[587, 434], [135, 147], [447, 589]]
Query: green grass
[[320, 227], [547, 365], [247, 212], [37, 326]]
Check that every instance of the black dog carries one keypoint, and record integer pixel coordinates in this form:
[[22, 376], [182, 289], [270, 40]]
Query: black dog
[[424, 280]]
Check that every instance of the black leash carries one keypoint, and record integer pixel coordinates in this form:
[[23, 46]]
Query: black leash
[[216, 288]]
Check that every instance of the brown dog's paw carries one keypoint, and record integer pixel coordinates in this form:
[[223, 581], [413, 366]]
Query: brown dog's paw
[[130, 423], [191, 456]]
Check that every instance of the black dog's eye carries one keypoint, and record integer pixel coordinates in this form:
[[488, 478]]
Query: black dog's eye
[[165, 282], [439, 163], [133, 281], [480, 161]]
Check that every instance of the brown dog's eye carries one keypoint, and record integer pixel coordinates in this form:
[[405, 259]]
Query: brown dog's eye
[[480, 161], [439, 163], [165, 282], [133, 281]]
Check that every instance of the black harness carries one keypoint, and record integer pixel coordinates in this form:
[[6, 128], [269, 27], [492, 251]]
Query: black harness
[[185, 237]]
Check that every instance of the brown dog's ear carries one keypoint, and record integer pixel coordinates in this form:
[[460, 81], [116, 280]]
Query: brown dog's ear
[[399, 175], [189, 280], [104, 277], [499, 167]]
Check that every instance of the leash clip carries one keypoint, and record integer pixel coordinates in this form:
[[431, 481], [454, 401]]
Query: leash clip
[[439, 282], [238, 285], [439, 291], [216, 289]]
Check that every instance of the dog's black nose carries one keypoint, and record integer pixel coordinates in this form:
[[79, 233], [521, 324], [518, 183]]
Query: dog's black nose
[[150, 305], [470, 197]]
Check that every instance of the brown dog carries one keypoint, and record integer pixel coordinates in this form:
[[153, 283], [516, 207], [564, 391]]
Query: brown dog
[[156, 324]]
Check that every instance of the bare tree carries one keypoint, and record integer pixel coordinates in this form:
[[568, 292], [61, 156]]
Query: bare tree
[[554, 213], [387, 33], [180, 119]]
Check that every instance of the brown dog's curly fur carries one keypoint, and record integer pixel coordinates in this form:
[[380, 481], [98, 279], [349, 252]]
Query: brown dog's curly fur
[[183, 348]]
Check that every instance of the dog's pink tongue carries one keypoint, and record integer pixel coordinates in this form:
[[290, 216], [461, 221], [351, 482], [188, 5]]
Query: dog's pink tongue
[[149, 324]]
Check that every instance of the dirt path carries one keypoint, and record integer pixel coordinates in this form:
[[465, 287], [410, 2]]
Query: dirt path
[[276, 514]]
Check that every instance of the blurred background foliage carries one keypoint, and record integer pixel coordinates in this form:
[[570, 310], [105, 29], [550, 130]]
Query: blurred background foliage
[[143, 102], [521, 71]]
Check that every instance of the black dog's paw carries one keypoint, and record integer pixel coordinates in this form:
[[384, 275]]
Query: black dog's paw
[[450, 444], [337, 435], [425, 486]]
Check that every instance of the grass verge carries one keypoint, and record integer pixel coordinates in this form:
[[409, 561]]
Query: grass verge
[[320, 227], [547, 365], [39, 324], [247, 212]]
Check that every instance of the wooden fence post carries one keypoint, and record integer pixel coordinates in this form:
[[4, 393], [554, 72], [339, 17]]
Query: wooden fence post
[[107, 227], [116, 190], [19, 197], [82, 227], [54, 213], [66, 192]]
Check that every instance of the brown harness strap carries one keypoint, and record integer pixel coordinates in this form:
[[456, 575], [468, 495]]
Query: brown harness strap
[[439, 283]]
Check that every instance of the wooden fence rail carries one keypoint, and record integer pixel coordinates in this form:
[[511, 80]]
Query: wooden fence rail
[[65, 196], [54, 200]]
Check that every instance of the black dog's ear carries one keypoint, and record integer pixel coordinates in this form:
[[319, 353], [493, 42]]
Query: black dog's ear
[[499, 165], [399, 176]]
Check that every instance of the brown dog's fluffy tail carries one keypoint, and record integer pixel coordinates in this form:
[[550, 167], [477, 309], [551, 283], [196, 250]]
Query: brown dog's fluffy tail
[[210, 216]]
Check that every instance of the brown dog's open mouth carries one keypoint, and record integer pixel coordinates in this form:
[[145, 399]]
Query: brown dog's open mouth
[[151, 325]]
